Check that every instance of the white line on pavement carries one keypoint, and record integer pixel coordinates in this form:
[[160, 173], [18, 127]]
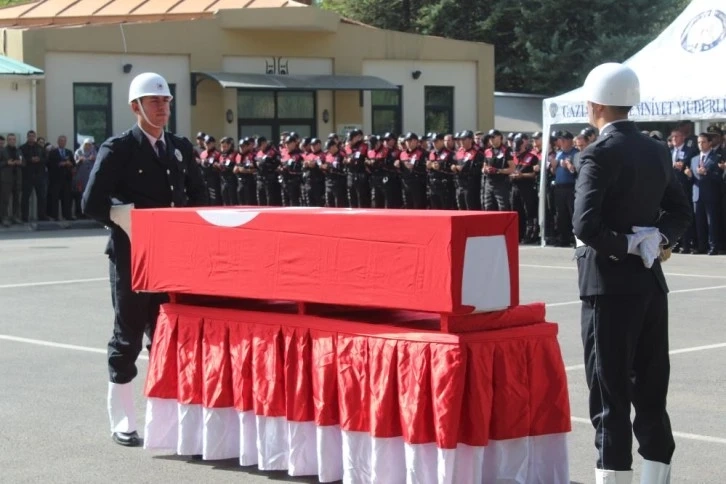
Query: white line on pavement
[[679, 291], [53, 344], [672, 352], [573, 268], [52, 283], [682, 435]]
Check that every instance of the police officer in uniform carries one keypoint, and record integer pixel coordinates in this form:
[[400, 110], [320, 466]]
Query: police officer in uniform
[[467, 172], [336, 182], [227, 163], [412, 163], [439, 173], [628, 207], [391, 181], [359, 191], [268, 166], [211, 170], [524, 193], [498, 165], [245, 170], [313, 175], [148, 168], [291, 169]]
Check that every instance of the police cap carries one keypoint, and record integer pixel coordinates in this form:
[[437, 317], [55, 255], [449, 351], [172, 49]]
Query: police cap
[[330, 143], [372, 140], [389, 136], [713, 129], [537, 135], [410, 135], [209, 139], [290, 139], [466, 134], [201, 135], [494, 133], [566, 135], [437, 137], [656, 135], [519, 136], [333, 136], [226, 140], [315, 141], [556, 134], [510, 136], [260, 140], [245, 141]]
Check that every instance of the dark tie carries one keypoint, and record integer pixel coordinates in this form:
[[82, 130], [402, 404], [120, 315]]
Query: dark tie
[[160, 149]]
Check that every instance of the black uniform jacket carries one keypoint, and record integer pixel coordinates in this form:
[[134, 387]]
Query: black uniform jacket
[[626, 179], [128, 170]]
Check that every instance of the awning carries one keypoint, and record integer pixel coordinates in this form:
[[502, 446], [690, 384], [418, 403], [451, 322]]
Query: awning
[[276, 82]]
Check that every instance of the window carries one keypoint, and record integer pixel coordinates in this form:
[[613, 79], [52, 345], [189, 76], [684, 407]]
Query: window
[[172, 117], [439, 109], [91, 112], [386, 112], [269, 113]]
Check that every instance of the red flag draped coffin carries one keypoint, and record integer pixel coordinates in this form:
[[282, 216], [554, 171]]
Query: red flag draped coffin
[[436, 261], [362, 402]]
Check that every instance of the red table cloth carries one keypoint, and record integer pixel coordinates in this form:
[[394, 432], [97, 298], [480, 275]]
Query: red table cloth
[[424, 260], [361, 402]]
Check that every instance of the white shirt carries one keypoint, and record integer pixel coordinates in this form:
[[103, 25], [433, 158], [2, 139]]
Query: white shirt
[[153, 140], [677, 152]]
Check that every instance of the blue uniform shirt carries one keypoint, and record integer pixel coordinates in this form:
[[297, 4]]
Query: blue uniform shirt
[[562, 174]]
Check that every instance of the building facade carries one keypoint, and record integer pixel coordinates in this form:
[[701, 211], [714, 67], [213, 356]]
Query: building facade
[[251, 68]]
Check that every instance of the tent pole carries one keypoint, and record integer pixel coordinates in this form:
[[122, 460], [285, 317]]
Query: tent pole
[[544, 166]]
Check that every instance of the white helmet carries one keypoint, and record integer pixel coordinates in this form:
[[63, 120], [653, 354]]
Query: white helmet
[[612, 84], [148, 84]]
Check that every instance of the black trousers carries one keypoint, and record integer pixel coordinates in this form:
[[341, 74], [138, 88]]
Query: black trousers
[[625, 338], [246, 191], [467, 198], [336, 192], [59, 190], [414, 193], [439, 194], [524, 202], [359, 190], [392, 191], [272, 194], [315, 193], [378, 197], [496, 195], [565, 206], [707, 220], [229, 192], [135, 314], [38, 183], [292, 193]]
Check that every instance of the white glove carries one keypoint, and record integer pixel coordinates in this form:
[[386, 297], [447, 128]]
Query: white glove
[[637, 237], [649, 247]]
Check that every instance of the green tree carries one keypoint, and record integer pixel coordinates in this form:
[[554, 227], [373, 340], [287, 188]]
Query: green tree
[[545, 47]]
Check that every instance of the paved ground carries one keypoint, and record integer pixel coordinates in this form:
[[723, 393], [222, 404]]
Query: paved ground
[[52, 399]]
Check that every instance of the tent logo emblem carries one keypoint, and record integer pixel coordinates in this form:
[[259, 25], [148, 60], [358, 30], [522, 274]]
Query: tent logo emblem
[[553, 110], [704, 32]]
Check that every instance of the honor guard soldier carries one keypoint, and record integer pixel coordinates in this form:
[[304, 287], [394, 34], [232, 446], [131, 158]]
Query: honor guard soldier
[[467, 172], [628, 206], [359, 192], [245, 170], [149, 168], [227, 163], [498, 165], [211, 170], [524, 191], [267, 160], [336, 182], [439, 165], [313, 175], [413, 173]]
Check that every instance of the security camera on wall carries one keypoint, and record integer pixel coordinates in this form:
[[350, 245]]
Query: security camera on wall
[[127, 68], [416, 74]]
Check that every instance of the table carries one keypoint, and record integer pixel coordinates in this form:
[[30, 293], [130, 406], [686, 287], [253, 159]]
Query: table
[[352, 398]]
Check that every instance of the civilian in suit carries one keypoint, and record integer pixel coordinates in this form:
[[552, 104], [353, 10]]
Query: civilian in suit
[[60, 177], [627, 202], [681, 154], [706, 175]]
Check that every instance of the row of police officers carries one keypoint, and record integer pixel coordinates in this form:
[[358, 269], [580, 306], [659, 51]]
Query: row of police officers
[[466, 171]]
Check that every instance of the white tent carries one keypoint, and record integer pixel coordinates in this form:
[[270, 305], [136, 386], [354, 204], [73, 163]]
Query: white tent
[[681, 77]]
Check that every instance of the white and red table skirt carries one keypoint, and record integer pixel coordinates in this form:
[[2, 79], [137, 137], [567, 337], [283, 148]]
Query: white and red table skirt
[[357, 400]]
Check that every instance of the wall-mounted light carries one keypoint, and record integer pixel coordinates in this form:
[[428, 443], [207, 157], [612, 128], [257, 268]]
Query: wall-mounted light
[[229, 115], [416, 74], [127, 68], [326, 116]]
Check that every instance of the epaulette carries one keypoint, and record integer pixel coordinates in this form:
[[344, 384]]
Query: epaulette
[[601, 139]]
